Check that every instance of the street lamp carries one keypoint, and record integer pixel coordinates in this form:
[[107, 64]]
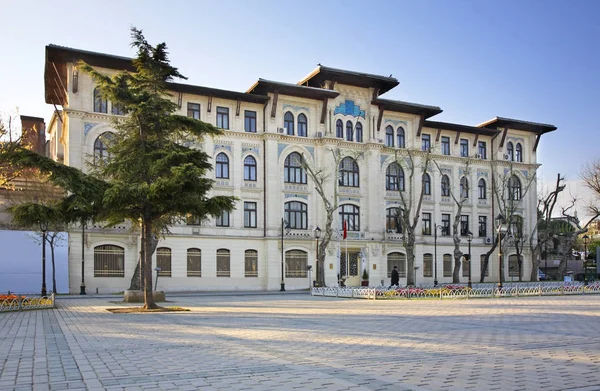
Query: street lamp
[[469, 239], [317, 236], [586, 240], [435, 228], [284, 225], [500, 227], [44, 228]]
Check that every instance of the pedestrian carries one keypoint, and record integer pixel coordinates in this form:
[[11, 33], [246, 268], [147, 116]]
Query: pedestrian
[[395, 277]]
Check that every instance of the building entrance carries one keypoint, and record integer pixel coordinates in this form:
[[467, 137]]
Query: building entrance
[[349, 267]]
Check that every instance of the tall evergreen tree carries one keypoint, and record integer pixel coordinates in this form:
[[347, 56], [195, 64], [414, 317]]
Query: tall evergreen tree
[[153, 178]]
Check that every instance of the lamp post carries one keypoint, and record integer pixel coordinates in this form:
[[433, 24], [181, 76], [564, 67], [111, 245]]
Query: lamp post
[[284, 225], [586, 240], [435, 228], [499, 227], [44, 228], [317, 236], [469, 239], [82, 286], [546, 259]]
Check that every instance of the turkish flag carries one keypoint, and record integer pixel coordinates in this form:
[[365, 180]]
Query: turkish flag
[[345, 230]]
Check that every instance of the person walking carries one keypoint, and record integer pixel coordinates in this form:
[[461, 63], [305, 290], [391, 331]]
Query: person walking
[[395, 276]]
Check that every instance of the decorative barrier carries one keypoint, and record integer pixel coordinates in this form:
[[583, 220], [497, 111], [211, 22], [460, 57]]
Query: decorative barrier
[[456, 291], [12, 302]]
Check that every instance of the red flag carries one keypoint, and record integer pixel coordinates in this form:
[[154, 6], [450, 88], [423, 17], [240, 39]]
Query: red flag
[[345, 230]]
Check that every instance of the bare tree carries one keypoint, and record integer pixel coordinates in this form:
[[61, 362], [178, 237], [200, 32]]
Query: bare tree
[[508, 191], [409, 211], [10, 139], [591, 177], [456, 231]]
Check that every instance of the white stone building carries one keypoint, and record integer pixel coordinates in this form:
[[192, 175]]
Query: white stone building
[[266, 131]]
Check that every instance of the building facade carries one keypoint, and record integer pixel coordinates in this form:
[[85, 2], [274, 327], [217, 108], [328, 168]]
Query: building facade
[[269, 133]]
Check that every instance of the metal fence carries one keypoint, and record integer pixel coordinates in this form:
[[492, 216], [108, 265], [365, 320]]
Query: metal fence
[[456, 291], [13, 302]]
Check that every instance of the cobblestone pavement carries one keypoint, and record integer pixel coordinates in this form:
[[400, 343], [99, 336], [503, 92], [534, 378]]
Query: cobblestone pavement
[[299, 342]]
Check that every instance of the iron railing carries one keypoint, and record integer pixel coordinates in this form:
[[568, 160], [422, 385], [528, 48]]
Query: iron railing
[[18, 302]]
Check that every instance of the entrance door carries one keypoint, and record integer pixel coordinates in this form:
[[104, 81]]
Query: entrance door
[[349, 267]]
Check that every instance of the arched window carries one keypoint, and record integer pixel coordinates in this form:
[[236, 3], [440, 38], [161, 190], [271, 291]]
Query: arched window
[[351, 215], [194, 262], [394, 177], [348, 173], [288, 123], [100, 103], [163, 261], [359, 132], [398, 260], [249, 168], [464, 187], [109, 261], [426, 184], [482, 189], [296, 214], [295, 263], [389, 136], [222, 166], [510, 152], [251, 261], [516, 226], [339, 129], [302, 125], [349, 131], [514, 188], [223, 263], [292, 169], [101, 145], [392, 221], [519, 150], [400, 137], [116, 109], [445, 186]]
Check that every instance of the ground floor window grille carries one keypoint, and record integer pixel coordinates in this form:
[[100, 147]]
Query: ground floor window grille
[[352, 264], [513, 266], [223, 263], [163, 261], [109, 261], [295, 262], [194, 262], [251, 263], [466, 265], [482, 262], [427, 265], [447, 265], [396, 259]]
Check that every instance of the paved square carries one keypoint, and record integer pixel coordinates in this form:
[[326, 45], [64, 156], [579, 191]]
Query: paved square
[[299, 342]]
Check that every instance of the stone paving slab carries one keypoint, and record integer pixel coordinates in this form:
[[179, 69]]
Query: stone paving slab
[[299, 342]]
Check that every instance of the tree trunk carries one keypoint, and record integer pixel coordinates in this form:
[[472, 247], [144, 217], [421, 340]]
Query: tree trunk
[[135, 283], [410, 264], [457, 264], [147, 266], [487, 261]]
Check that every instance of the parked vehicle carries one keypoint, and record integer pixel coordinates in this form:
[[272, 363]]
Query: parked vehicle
[[541, 275]]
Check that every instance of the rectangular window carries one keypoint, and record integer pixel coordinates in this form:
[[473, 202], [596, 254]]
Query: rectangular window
[[163, 261], [464, 147], [482, 226], [425, 142], [193, 110], [464, 225], [482, 150], [222, 117], [445, 224], [223, 219], [250, 121], [427, 265], [447, 265], [445, 145], [249, 214], [426, 223]]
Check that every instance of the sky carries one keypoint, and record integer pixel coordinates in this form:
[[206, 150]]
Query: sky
[[533, 60]]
